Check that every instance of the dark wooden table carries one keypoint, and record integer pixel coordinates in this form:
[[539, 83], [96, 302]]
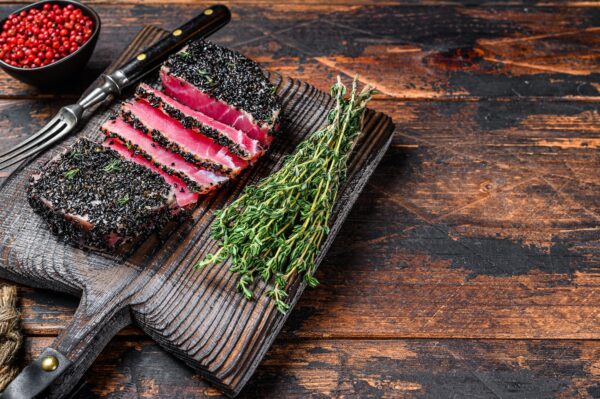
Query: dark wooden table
[[470, 266]]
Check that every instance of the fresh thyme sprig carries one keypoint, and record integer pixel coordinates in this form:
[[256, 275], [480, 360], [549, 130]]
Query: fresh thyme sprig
[[275, 229]]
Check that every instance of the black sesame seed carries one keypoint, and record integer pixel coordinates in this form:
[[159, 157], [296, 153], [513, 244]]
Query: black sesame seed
[[245, 86], [93, 192]]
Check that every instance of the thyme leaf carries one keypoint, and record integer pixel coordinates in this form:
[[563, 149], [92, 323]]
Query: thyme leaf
[[76, 155], [206, 76], [123, 200], [185, 56], [70, 174], [112, 166], [274, 230]]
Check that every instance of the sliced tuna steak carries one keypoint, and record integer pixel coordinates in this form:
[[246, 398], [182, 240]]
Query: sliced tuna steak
[[199, 180], [186, 198], [172, 135], [235, 140], [97, 199], [225, 85]]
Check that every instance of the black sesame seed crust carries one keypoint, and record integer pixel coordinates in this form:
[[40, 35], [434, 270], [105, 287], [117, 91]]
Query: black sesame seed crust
[[84, 203], [164, 142], [191, 123], [137, 151], [229, 76]]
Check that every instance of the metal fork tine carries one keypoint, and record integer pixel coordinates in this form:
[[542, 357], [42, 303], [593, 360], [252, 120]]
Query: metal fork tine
[[56, 135], [34, 144], [41, 132]]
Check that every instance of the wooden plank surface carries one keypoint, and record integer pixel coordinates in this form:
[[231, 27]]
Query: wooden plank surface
[[480, 225], [428, 222], [198, 316], [360, 369], [415, 52]]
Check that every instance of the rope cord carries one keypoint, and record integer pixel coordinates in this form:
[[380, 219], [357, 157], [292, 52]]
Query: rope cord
[[10, 335]]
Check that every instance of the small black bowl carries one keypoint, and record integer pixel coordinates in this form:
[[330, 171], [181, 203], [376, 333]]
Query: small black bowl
[[57, 72]]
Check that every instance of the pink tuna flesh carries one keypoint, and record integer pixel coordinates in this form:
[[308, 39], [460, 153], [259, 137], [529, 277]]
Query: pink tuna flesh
[[195, 98], [185, 197], [204, 179], [200, 147], [250, 148]]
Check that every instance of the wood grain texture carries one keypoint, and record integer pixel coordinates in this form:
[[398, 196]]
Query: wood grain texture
[[406, 51], [325, 368], [480, 222], [198, 316]]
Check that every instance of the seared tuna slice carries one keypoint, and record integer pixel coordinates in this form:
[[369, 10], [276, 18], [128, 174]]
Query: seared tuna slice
[[225, 85], [199, 180], [236, 140], [172, 135], [186, 198], [95, 198]]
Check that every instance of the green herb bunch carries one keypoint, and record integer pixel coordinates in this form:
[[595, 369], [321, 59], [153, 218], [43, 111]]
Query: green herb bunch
[[274, 230]]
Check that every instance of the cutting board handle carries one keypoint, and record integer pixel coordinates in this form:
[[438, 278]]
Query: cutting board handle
[[59, 368]]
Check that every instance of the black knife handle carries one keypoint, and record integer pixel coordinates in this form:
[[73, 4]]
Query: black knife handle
[[209, 21]]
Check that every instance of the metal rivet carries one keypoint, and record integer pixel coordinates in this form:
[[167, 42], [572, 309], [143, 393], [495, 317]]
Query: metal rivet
[[141, 57], [177, 32], [49, 363], [208, 11]]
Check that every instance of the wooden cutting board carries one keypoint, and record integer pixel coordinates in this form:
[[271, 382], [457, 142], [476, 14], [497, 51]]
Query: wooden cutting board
[[198, 316]]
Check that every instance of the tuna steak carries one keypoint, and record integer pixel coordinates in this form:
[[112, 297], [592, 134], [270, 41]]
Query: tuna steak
[[172, 135], [95, 198], [235, 140], [224, 85], [169, 163], [186, 198]]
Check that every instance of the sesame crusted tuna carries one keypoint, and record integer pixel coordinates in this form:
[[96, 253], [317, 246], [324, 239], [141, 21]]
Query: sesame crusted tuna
[[186, 198], [235, 140], [199, 180], [215, 115], [224, 85], [172, 135], [96, 199]]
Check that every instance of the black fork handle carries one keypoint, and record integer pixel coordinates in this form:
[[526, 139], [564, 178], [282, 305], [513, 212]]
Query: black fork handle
[[209, 21]]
